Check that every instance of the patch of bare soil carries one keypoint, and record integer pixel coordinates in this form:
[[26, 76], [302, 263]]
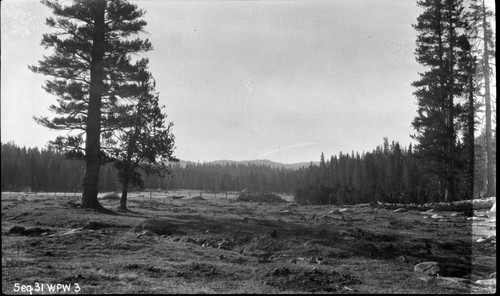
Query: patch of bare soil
[[309, 280], [224, 246]]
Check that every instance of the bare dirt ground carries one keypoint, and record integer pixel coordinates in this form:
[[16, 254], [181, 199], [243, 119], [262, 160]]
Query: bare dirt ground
[[170, 245]]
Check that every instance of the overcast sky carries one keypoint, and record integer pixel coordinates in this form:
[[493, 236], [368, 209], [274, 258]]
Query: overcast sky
[[279, 80]]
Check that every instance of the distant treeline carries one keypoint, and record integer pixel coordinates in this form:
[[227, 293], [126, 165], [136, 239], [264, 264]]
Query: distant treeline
[[47, 170], [387, 174], [42, 170]]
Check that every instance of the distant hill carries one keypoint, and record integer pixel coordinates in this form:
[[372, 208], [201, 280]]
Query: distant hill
[[293, 166]]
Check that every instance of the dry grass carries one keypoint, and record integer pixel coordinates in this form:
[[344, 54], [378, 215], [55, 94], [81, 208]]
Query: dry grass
[[225, 246]]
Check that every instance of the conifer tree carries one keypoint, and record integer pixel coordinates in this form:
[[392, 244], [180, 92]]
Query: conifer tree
[[440, 45], [147, 143], [483, 40], [90, 68]]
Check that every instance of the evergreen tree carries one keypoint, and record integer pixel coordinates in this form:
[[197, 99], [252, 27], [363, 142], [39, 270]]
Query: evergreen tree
[[148, 144], [440, 45], [91, 67], [483, 39]]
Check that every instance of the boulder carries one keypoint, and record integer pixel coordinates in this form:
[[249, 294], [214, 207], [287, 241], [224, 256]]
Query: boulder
[[494, 207], [488, 282], [429, 268], [486, 239], [345, 210]]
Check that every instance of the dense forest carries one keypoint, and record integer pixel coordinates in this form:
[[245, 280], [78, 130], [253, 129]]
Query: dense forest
[[389, 173], [48, 170]]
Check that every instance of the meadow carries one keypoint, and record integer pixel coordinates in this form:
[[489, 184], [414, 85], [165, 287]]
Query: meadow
[[218, 245]]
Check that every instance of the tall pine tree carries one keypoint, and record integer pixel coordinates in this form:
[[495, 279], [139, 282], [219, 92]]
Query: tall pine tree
[[91, 68], [440, 45], [483, 40]]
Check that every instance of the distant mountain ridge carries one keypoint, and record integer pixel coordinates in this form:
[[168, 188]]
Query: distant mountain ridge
[[292, 166]]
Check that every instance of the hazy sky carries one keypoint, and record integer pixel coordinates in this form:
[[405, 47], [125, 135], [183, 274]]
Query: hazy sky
[[279, 80]]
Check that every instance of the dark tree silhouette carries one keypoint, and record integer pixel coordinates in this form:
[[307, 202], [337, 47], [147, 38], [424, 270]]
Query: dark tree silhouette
[[91, 68], [441, 47], [148, 144]]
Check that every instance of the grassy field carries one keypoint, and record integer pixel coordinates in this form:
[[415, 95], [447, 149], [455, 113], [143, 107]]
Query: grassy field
[[219, 245]]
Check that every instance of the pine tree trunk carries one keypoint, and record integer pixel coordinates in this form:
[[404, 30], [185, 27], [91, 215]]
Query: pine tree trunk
[[93, 132], [123, 201], [128, 166], [490, 189], [451, 127], [126, 179], [471, 136]]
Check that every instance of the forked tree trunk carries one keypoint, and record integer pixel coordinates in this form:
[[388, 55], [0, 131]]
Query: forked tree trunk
[[93, 132]]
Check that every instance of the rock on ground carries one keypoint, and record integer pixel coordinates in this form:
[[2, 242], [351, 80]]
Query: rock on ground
[[401, 210], [430, 268]]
